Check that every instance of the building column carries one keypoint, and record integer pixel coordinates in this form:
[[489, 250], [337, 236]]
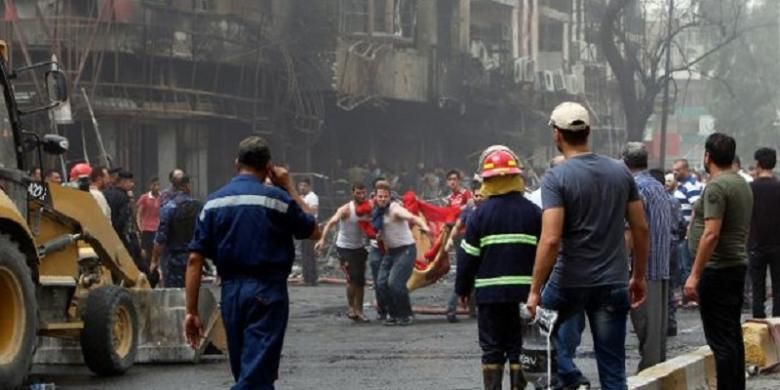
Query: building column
[[108, 133], [464, 24], [195, 155], [167, 152], [566, 39], [515, 32], [535, 30]]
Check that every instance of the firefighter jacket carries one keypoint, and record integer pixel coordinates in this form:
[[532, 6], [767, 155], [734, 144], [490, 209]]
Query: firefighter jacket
[[498, 251]]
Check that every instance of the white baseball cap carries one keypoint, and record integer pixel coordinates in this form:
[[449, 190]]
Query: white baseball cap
[[570, 116]]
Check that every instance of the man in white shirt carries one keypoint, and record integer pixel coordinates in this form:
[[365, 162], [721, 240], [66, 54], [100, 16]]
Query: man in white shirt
[[309, 197], [308, 254], [536, 195], [98, 178], [737, 165]]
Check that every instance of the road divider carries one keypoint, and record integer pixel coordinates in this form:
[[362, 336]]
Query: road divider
[[691, 371]]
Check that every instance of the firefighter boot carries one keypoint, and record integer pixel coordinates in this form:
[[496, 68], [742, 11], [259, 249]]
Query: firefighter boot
[[516, 378], [492, 375]]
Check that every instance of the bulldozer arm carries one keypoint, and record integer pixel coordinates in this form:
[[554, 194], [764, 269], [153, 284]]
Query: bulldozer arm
[[155, 316], [77, 210]]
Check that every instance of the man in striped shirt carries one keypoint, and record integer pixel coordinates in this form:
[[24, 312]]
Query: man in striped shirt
[[688, 192], [650, 318]]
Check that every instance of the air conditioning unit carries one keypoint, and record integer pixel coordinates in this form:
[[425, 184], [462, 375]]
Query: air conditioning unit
[[549, 81], [572, 84], [523, 70], [518, 70], [530, 69], [559, 80]]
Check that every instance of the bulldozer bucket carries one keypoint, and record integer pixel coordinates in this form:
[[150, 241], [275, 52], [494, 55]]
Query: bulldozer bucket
[[162, 313], [160, 329]]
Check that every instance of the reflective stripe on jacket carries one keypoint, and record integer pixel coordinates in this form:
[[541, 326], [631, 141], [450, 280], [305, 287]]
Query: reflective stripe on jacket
[[497, 254]]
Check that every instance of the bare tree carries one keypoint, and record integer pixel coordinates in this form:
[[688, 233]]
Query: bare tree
[[638, 59]]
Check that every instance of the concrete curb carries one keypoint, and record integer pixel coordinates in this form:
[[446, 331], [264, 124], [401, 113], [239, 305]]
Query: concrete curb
[[691, 371]]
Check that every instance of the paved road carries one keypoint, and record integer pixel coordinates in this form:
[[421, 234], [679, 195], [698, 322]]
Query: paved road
[[324, 350]]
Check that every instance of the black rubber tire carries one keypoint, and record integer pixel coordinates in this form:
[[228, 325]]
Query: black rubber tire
[[16, 278], [97, 338]]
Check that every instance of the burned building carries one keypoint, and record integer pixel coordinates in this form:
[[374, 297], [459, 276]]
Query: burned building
[[172, 82], [433, 82], [331, 83]]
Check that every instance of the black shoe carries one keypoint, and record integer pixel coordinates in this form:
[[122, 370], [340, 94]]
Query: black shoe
[[405, 321], [580, 383], [671, 332], [390, 322], [452, 318]]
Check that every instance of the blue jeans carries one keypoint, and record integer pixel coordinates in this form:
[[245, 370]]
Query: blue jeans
[[686, 262], [607, 309], [255, 315], [374, 261], [394, 272], [567, 339]]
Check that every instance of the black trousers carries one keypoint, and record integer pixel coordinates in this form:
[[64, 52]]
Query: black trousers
[[309, 263], [147, 242], [759, 261], [720, 305], [500, 332]]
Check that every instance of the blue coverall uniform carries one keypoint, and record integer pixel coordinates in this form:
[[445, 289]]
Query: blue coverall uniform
[[247, 229]]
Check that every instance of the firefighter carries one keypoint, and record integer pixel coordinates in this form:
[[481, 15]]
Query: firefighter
[[497, 262]]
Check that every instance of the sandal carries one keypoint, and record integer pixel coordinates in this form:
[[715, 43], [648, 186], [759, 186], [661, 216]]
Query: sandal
[[361, 318]]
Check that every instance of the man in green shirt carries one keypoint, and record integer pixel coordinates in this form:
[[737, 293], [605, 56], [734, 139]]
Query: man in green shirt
[[718, 240]]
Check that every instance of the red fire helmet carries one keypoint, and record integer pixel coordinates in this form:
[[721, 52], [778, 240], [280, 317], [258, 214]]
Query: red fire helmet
[[500, 162]]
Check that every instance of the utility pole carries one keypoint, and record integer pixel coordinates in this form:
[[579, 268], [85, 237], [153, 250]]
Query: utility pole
[[667, 79]]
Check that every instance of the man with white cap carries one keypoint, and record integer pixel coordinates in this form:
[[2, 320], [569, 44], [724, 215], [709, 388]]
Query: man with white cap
[[581, 255]]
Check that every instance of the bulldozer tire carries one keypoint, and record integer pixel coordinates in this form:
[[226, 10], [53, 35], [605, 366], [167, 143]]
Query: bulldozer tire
[[18, 315], [109, 340]]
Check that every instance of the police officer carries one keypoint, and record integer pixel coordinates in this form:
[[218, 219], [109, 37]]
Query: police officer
[[497, 262], [247, 228], [177, 224]]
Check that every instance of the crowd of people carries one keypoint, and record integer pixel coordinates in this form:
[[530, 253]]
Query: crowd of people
[[431, 184], [603, 240], [609, 241]]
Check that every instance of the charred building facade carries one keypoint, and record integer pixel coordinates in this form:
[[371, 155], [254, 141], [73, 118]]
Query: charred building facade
[[331, 83]]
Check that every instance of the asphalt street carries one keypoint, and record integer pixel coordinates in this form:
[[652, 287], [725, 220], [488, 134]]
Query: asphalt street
[[325, 350]]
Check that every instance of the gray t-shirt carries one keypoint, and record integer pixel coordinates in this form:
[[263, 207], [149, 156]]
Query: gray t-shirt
[[594, 192]]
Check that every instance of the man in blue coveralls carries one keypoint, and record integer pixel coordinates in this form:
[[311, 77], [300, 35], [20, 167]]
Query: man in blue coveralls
[[247, 229]]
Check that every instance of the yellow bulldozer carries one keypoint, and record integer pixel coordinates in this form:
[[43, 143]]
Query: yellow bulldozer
[[68, 287]]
